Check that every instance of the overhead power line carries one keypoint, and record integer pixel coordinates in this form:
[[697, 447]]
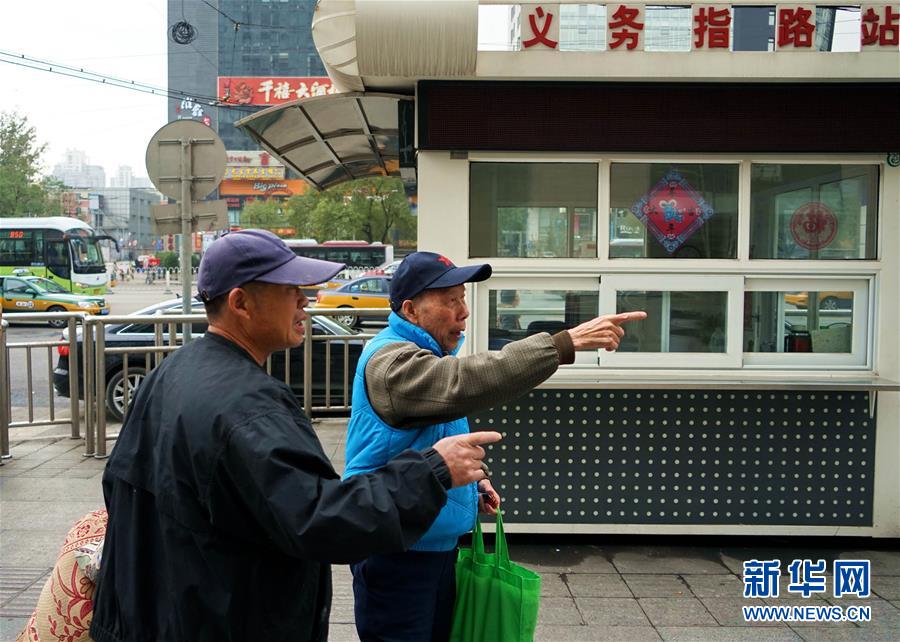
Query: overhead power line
[[21, 60]]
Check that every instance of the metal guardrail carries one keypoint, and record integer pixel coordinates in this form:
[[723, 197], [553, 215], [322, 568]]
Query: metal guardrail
[[91, 361]]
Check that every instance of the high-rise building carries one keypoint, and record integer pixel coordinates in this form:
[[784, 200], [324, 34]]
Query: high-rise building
[[246, 55], [75, 171], [237, 40]]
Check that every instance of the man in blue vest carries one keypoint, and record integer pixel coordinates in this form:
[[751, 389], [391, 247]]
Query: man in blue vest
[[410, 390]]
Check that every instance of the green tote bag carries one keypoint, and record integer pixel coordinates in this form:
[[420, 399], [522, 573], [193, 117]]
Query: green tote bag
[[496, 600]]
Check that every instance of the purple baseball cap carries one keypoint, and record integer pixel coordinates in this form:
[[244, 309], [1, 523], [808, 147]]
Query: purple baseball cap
[[256, 255], [422, 271]]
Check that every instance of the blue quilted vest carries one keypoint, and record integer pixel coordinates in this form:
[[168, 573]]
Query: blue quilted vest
[[371, 442]]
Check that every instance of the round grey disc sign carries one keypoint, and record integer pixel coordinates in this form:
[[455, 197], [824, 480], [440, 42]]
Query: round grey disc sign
[[205, 154]]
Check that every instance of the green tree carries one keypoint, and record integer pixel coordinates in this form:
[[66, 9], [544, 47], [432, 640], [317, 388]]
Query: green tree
[[368, 209], [22, 191]]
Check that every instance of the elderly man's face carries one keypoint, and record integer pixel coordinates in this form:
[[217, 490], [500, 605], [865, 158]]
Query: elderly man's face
[[277, 315], [442, 313]]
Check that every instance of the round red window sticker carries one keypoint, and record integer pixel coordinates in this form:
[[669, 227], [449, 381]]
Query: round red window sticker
[[813, 226]]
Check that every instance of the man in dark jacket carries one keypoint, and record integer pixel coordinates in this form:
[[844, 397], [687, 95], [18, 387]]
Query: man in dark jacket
[[224, 511]]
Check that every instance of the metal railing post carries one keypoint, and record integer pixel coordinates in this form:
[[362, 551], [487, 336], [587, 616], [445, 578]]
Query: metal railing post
[[5, 410], [100, 390], [73, 377], [90, 410], [307, 365]]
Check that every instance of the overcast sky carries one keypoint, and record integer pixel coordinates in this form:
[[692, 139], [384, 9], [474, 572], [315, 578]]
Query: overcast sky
[[121, 38]]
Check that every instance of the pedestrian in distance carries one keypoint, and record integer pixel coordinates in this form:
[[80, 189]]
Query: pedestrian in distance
[[224, 510], [411, 390]]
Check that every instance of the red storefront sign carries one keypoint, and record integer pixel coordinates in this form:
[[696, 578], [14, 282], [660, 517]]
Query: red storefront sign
[[713, 27], [624, 27], [262, 90], [672, 211]]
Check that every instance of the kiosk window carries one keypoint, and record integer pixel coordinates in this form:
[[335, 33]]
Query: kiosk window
[[676, 321], [677, 211], [519, 313], [798, 321], [533, 210], [813, 212]]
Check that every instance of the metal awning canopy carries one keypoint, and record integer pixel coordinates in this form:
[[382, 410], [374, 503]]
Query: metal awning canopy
[[334, 138]]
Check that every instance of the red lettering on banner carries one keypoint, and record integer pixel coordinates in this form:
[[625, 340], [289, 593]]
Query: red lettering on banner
[[887, 33], [715, 23], [794, 27], [623, 18], [540, 35]]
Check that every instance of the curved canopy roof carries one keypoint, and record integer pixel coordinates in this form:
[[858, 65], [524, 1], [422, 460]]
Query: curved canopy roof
[[334, 138]]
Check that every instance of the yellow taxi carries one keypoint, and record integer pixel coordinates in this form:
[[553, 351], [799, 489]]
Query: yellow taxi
[[827, 300], [36, 294], [364, 292]]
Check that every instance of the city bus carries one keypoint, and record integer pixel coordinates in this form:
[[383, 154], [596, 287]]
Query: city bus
[[59, 248], [357, 255]]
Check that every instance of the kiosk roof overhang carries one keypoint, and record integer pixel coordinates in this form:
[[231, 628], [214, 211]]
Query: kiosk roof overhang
[[334, 138]]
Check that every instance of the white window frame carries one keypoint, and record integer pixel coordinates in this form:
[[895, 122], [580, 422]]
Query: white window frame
[[732, 285], [860, 356], [576, 283]]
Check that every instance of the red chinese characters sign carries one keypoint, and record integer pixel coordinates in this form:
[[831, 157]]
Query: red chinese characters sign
[[795, 27], [672, 211], [880, 26], [625, 26], [261, 90], [712, 27], [540, 26]]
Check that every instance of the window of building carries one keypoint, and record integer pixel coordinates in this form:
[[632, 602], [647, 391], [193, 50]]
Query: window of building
[[752, 28], [813, 212], [691, 320], [582, 27], [809, 322], [667, 210], [516, 309], [533, 210]]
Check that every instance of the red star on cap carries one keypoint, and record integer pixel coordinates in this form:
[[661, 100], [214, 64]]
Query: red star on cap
[[445, 261]]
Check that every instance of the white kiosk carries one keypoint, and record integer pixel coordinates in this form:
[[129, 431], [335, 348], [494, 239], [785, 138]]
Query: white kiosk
[[731, 168]]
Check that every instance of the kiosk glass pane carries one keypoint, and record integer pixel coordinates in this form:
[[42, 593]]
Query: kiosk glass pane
[[667, 28], [818, 212], [582, 27], [533, 210], [685, 211], [515, 313], [785, 322], [676, 321]]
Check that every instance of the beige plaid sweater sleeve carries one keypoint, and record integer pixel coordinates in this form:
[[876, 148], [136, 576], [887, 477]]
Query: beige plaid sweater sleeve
[[410, 387]]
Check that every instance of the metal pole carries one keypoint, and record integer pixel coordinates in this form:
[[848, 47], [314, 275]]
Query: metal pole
[[186, 179], [90, 391], [73, 377], [4, 394], [100, 388]]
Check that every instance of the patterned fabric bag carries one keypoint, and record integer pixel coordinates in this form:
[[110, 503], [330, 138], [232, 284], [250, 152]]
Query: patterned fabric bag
[[65, 606]]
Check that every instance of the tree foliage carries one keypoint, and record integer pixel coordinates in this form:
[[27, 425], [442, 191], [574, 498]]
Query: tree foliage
[[23, 192], [370, 209]]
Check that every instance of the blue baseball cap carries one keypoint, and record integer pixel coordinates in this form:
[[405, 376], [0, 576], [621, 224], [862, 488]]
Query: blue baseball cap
[[256, 255], [422, 271]]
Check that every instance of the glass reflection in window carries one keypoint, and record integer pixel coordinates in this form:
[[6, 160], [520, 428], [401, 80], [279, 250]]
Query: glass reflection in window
[[516, 314], [676, 321], [786, 322], [534, 210], [818, 212]]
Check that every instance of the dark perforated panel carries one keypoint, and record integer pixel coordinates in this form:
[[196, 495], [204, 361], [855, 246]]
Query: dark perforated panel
[[684, 457], [658, 117]]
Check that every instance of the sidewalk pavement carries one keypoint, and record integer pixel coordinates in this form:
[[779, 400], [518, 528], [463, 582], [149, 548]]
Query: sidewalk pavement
[[594, 587]]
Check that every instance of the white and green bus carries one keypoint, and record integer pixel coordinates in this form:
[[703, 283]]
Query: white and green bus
[[60, 248]]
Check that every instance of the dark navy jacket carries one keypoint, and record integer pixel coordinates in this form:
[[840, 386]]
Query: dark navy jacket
[[225, 512]]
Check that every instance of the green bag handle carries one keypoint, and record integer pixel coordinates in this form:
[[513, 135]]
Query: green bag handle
[[501, 550]]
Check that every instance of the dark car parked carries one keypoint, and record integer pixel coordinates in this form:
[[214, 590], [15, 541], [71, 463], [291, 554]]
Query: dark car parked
[[142, 334]]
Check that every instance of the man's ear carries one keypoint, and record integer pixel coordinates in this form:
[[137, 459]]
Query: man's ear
[[408, 309], [239, 302]]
